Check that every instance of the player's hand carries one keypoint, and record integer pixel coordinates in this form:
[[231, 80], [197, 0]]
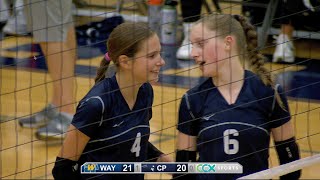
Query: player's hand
[[164, 158]]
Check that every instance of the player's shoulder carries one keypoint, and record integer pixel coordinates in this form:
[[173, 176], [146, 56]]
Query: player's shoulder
[[257, 86], [97, 94], [146, 93], [202, 87], [147, 87], [200, 91]]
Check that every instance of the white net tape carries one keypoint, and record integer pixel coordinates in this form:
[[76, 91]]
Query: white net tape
[[284, 169]]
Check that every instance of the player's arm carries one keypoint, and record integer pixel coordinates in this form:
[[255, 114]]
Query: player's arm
[[164, 158], [83, 126], [186, 148], [155, 155], [186, 152], [287, 148], [187, 128], [73, 146], [187, 135]]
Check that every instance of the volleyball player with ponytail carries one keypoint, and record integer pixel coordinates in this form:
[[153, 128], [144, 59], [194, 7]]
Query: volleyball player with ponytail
[[231, 116], [111, 123]]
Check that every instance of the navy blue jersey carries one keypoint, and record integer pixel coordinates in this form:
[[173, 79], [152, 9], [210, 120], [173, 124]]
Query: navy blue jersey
[[238, 132], [117, 134]]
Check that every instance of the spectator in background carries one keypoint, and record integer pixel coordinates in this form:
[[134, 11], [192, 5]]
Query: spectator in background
[[15, 24], [294, 15], [52, 27], [190, 10]]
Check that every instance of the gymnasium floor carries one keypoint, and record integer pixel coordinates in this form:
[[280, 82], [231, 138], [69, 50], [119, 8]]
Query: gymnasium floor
[[25, 88]]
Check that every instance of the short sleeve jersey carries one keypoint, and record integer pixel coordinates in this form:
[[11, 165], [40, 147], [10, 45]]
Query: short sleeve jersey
[[117, 133], [238, 132]]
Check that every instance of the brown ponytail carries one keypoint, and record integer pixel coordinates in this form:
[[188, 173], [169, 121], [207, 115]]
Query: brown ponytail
[[247, 41], [125, 39], [101, 71]]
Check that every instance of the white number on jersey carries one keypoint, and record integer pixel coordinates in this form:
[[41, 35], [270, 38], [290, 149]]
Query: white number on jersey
[[136, 145], [231, 146]]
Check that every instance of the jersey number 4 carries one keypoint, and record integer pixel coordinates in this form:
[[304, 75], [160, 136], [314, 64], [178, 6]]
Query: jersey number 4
[[231, 146], [136, 145]]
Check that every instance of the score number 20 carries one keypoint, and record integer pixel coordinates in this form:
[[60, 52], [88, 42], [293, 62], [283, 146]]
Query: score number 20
[[181, 168]]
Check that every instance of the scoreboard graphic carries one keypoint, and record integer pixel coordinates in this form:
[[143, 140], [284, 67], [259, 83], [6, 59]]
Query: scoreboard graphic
[[131, 168]]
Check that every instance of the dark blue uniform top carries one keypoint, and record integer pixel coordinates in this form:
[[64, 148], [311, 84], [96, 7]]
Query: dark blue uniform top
[[239, 132], [117, 134]]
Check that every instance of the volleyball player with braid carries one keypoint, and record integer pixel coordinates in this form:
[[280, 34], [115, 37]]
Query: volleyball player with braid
[[231, 116], [111, 123]]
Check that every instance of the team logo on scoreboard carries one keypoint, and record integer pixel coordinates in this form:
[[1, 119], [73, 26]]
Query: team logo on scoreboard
[[89, 167]]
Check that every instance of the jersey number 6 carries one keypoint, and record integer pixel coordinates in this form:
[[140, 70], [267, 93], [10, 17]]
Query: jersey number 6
[[136, 145], [231, 146]]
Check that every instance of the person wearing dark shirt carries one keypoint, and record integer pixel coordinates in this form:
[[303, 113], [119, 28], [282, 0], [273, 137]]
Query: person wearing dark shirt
[[111, 123], [231, 116]]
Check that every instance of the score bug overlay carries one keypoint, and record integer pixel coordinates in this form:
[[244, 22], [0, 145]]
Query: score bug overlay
[[170, 168]]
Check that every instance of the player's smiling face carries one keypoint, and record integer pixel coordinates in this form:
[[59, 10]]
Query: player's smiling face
[[148, 60], [207, 49]]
